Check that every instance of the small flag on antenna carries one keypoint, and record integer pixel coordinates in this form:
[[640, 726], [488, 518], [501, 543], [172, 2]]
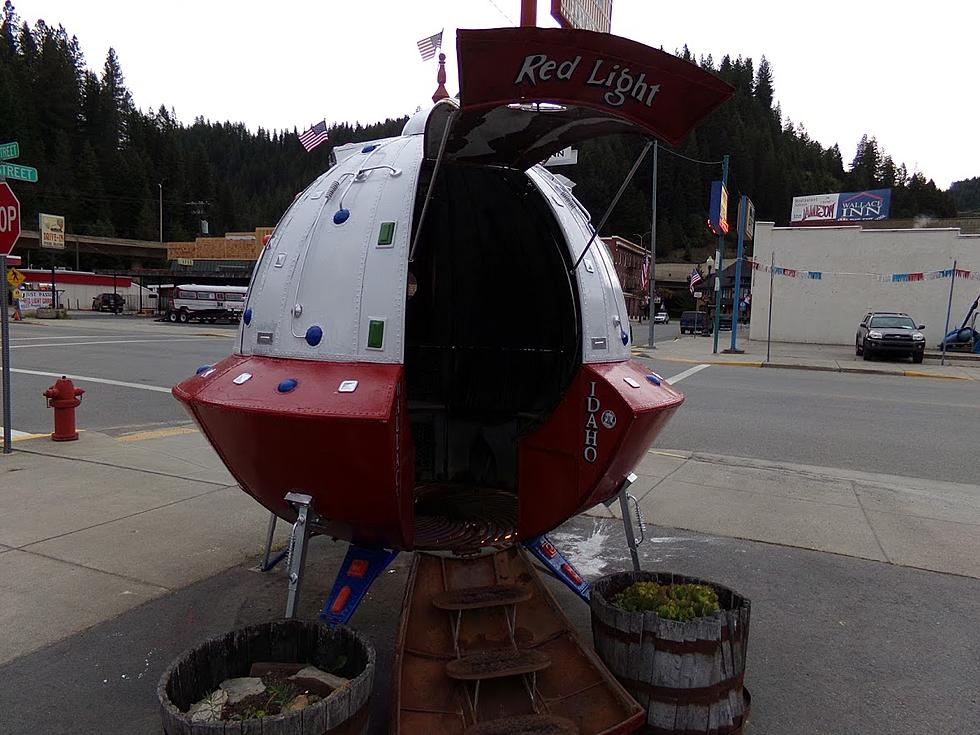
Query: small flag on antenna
[[429, 44], [314, 136]]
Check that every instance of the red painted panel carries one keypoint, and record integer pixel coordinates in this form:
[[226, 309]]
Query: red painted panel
[[595, 437], [80, 279], [347, 450], [659, 92]]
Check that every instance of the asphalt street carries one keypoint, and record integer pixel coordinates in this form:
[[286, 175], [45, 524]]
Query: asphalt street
[[875, 423]]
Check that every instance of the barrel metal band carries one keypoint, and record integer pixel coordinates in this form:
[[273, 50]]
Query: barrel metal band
[[707, 647], [684, 695]]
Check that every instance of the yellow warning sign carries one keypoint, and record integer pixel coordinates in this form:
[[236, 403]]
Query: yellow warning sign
[[17, 294], [15, 277]]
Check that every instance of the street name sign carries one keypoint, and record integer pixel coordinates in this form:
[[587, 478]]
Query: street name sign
[[9, 150], [9, 218], [21, 173]]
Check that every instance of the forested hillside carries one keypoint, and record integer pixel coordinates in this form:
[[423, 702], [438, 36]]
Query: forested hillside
[[103, 163]]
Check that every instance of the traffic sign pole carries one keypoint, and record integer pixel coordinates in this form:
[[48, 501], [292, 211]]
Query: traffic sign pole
[[5, 356]]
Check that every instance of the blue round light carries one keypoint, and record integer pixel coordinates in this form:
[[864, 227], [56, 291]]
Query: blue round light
[[654, 378], [313, 336], [341, 216], [626, 337], [287, 385], [369, 148], [202, 369], [247, 316]]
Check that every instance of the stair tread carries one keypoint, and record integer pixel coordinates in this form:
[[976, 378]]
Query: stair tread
[[525, 725], [497, 663], [474, 598]]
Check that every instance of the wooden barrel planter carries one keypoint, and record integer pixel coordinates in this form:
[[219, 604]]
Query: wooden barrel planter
[[200, 670], [688, 675]]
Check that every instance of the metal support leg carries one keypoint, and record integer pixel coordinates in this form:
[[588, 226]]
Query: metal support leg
[[631, 540], [266, 564], [303, 504]]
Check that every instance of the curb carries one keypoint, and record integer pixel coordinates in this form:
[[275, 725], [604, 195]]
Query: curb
[[792, 366], [811, 368], [919, 374], [732, 363]]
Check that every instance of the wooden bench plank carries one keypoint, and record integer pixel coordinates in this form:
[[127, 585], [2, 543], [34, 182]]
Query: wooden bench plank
[[475, 598], [525, 725], [496, 664]]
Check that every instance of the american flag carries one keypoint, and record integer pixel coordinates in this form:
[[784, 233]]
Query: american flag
[[429, 44], [695, 279], [314, 136]]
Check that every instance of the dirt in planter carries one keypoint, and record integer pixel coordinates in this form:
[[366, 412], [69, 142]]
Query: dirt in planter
[[279, 692]]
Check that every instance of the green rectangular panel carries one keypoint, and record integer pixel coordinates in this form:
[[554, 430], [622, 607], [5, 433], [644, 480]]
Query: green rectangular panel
[[376, 334], [9, 150], [387, 235], [22, 173]]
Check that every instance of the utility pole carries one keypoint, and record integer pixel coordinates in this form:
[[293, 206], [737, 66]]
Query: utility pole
[[653, 246], [718, 261], [160, 184]]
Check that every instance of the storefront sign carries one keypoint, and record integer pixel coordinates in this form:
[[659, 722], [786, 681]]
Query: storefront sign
[[846, 207], [52, 229], [624, 79]]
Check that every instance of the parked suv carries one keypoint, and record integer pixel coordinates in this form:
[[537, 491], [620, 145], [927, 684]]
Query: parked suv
[[113, 302], [891, 332], [694, 321]]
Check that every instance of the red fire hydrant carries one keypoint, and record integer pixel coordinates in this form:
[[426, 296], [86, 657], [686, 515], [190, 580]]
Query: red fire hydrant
[[63, 398]]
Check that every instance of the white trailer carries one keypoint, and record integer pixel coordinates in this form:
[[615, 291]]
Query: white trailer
[[205, 303]]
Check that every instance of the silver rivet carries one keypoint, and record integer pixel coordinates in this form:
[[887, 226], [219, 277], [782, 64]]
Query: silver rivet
[[298, 310]]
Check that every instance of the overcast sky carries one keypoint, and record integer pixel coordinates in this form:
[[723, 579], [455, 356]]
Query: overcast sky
[[905, 73]]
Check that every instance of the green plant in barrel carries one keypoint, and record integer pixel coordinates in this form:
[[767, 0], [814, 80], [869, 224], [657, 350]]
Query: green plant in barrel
[[669, 601]]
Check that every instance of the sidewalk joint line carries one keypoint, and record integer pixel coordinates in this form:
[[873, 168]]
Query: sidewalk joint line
[[26, 547], [867, 520], [134, 580], [124, 467]]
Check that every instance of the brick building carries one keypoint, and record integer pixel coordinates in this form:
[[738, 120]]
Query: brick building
[[628, 257]]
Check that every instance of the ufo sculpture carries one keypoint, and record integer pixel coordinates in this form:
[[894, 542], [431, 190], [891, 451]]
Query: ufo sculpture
[[435, 346], [435, 356]]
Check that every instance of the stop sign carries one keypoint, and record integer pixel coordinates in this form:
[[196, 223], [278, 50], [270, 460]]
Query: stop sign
[[9, 218]]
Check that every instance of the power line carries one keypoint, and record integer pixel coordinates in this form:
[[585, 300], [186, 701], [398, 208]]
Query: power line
[[692, 160], [501, 12]]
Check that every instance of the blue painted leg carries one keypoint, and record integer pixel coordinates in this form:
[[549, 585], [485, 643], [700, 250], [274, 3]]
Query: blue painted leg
[[360, 568], [558, 565]]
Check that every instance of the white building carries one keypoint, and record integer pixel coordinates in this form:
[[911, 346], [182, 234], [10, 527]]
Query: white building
[[850, 259]]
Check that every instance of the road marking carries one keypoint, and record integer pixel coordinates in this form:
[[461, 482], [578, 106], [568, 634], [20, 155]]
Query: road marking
[[18, 436], [119, 342], [669, 454], [68, 336], [687, 373], [85, 378], [140, 436]]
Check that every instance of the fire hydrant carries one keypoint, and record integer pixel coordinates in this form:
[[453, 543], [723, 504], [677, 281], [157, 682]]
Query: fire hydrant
[[63, 398]]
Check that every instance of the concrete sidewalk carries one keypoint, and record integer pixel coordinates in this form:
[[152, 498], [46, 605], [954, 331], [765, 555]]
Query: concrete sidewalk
[[798, 356], [148, 539]]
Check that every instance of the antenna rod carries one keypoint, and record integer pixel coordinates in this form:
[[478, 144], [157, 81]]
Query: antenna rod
[[613, 203]]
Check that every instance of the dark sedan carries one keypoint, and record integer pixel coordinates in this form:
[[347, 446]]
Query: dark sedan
[[889, 332]]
